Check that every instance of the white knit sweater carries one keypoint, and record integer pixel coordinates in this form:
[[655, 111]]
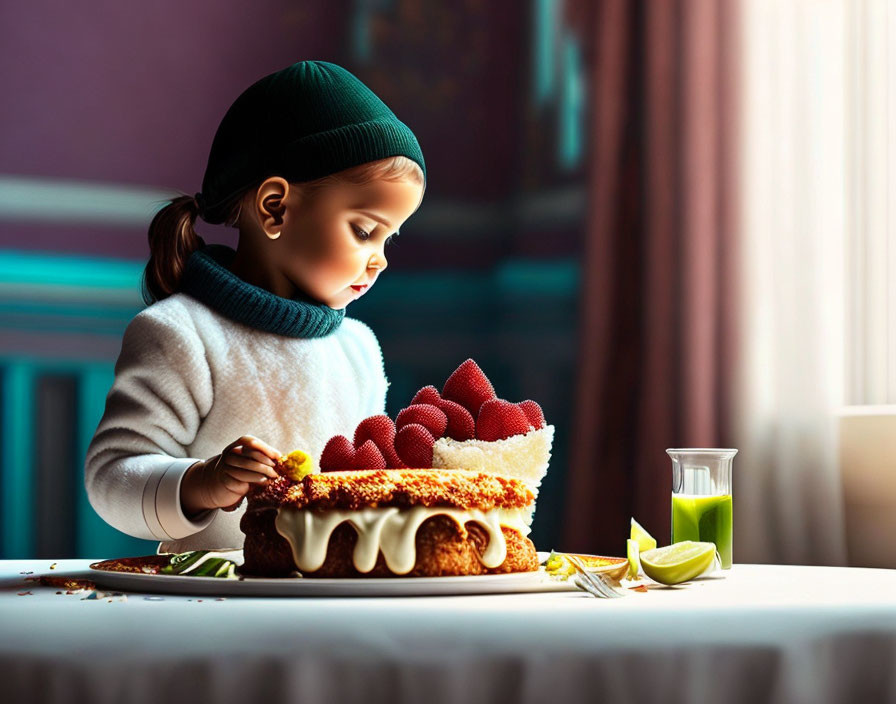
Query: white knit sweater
[[188, 382]]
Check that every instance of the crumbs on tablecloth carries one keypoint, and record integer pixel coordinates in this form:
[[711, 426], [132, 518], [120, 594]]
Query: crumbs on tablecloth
[[28, 572], [28, 593], [53, 566], [640, 588], [70, 585]]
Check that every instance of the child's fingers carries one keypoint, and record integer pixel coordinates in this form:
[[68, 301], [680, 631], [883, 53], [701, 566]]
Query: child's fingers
[[245, 475], [232, 484], [254, 443], [234, 460], [256, 455]]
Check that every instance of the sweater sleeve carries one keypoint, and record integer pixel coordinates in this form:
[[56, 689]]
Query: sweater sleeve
[[138, 456]]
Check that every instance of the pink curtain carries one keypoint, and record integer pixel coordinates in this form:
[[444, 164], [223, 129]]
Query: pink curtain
[[657, 344]]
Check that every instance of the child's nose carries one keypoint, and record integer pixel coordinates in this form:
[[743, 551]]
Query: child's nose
[[378, 262]]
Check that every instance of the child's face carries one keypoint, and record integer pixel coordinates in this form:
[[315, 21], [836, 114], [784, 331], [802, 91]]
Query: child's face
[[333, 243]]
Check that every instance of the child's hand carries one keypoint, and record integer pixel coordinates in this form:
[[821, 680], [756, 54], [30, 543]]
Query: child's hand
[[223, 480]]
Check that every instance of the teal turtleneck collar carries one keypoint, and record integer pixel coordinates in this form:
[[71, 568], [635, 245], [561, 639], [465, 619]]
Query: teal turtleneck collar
[[208, 279]]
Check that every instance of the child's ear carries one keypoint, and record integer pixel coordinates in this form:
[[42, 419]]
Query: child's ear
[[270, 205]]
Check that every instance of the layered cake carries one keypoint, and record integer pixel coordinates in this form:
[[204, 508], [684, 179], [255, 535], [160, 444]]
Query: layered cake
[[389, 522], [447, 488]]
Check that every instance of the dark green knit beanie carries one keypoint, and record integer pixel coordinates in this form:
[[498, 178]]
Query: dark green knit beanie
[[307, 121]]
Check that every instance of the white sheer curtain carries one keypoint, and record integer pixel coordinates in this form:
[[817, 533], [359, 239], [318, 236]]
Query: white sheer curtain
[[871, 143], [795, 89]]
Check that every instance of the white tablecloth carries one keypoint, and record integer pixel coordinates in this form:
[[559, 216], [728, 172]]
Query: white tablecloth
[[763, 633]]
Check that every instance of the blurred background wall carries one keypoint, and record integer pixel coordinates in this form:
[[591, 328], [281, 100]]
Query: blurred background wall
[[666, 222]]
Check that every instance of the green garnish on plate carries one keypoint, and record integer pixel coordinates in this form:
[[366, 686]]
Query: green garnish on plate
[[202, 563]]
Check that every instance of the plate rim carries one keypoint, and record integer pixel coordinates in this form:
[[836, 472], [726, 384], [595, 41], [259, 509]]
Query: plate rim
[[503, 583]]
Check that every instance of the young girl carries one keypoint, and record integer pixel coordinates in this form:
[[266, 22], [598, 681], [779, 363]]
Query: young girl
[[246, 353]]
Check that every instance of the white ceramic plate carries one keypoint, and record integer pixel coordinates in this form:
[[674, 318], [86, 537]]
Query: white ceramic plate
[[265, 586]]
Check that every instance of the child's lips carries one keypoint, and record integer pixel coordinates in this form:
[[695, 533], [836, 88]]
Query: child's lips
[[360, 288]]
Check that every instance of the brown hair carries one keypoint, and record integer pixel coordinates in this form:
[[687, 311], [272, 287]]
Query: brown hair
[[393, 168], [172, 238]]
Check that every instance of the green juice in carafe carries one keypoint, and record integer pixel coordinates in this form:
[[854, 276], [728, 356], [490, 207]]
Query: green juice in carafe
[[704, 518]]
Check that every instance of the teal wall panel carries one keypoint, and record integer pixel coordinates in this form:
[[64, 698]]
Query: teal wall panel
[[17, 453]]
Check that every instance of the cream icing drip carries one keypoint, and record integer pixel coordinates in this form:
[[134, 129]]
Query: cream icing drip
[[389, 530]]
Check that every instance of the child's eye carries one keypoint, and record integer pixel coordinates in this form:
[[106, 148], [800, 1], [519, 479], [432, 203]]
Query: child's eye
[[361, 234]]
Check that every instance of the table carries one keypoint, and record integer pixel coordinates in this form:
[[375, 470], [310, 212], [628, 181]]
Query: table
[[763, 633]]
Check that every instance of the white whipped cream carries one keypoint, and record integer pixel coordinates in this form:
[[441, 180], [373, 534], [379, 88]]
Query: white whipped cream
[[524, 457], [389, 530]]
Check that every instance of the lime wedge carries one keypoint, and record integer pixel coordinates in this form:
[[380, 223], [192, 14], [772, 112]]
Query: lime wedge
[[645, 540], [678, 562], [557, 565], [634, 562]]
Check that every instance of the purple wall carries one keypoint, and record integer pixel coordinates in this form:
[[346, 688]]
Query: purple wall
[[132, 93]]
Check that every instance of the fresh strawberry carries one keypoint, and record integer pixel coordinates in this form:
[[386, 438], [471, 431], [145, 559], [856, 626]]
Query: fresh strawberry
[[461, 425], [380, 429], [533, 413], [393, 461], [368, 456], [469, 387], [499, 419], [428, 394], [414, 444], [338, 454], [430, 417]]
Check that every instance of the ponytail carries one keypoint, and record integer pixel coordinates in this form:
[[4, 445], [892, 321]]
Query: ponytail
[[172, 240]]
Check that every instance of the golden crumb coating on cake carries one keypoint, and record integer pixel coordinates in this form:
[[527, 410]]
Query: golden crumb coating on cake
[[355, 489], [443, 548]]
